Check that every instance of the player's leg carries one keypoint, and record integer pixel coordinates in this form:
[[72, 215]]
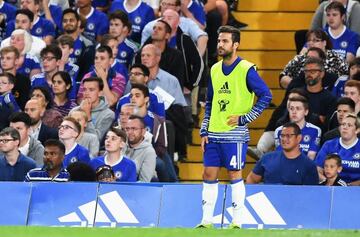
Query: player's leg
[[235, 161], [210, 184]]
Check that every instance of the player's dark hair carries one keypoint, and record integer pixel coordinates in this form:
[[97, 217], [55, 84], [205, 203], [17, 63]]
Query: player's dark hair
[[235, 33], [335, 157], [300, 91]]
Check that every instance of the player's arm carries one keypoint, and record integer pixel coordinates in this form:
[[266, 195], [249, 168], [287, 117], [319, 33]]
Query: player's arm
[[205, 122], [263, 94]]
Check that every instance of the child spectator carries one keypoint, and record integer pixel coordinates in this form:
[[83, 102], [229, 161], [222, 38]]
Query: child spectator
[[69, 130], [123, 168], [88, 140], [7, 99], [105, 173], [332, 168]]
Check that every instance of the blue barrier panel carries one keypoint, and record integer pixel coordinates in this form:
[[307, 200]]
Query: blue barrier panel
[[63, 204], [275, 206], [345, 209], [128, 205], [181, 205], [14, 202]]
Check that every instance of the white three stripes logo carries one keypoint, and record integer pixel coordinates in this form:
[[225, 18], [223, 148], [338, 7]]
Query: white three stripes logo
[[263, 208], [114, 204]]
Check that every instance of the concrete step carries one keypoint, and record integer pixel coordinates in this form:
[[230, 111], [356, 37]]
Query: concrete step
[[271, 77], [273, 40], [274, 21], [278, 5], [268, 59], [278, 96]]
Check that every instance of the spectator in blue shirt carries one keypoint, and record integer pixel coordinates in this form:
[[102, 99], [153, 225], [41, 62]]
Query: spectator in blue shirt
[[289, 166], [13, 165]]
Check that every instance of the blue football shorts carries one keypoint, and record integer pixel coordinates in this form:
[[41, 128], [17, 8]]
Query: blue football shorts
[[232, 156]]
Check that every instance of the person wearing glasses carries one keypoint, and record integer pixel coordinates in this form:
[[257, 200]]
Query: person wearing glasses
[[347, 146], [289, 166], [69, 130], [13, 165], [53, 169], [140, 149], [124, 169], [298, 109], [333, 62], [139, 74], [50, 61]]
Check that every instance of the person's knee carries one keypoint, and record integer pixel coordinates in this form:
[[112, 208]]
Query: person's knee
[[235, 174], [210, 174]]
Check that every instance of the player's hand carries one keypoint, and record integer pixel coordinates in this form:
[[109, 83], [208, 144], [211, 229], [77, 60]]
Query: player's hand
[[233, 120], [204, 140]]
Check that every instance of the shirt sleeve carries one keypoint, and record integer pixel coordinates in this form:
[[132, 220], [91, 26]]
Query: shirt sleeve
[[261, 90]]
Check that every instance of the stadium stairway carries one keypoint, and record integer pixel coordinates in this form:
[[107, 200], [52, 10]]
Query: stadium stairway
[[268, 41]]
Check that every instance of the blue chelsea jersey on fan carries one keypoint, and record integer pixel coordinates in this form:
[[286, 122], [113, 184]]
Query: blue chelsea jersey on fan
[[8, 11], [347, 42], [139, 17], [350, 158], [124, 170], [77, 154], [311, 135], [126, 52], [97, 24], [30, 63]]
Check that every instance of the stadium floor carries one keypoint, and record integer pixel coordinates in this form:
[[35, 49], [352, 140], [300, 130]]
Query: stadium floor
[[30, 231]]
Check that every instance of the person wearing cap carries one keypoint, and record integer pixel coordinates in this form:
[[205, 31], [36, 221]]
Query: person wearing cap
[[123, 168], [105, 173], [53, 169]]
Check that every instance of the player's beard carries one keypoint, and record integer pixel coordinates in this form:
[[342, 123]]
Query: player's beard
[[225, 54]]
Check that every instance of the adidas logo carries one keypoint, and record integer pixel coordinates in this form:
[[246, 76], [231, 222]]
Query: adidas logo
[[225, 89], [262, 208], [110, 209]]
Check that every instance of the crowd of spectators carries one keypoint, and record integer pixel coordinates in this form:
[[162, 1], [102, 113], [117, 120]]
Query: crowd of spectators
[[319, 116], [104, 85]]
